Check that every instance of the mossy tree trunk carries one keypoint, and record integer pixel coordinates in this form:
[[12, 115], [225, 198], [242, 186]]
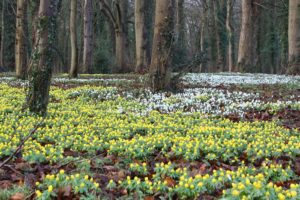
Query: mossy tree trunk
[[162, 44], [40, 68]]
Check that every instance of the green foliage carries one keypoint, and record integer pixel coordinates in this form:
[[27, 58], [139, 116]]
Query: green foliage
[[7, 193]]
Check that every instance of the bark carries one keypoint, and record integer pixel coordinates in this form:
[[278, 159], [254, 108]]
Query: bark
[[73, 37], [121, 54], [162, 44], [117, 15], [180, 23], [140, 36], [41, 63], [294, 37], [220, 60], [230, 36], [9, 35], [247, 58], [88, 36], [2, 34], [202, 35], [20, 49]]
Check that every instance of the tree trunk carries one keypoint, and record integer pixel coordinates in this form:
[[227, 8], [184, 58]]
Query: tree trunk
[[247, 57], [230, 32], [180, 24], [2, 34], [117, 15], [203, 26], [88, 36], [140, 36], [121, 55], [162, 44], [41, 63], [294, 37], [20, 49], [73, 38], [220, 60]]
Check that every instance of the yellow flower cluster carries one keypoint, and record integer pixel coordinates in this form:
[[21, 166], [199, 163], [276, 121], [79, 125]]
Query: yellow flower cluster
[[78, 123], [80, 184]]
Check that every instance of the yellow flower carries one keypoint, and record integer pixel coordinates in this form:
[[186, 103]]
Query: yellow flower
[[293, 186], [38, 193], [248, 181], [235, 193], [50, 188], [241, 186], [82, 185], [293, 193], [200, 184], [281, 196], [270, 185], [37, 183], [257, 184], [61, 171]]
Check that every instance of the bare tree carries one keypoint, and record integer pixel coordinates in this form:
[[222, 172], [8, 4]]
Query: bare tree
[[247, 56], [162, 44], [230, 33], [73, 38], [294, 37], [141, 39], [88, 36], [116, 12], [20, 45]]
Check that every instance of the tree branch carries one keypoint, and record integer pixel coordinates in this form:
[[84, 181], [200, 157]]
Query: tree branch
[[20, 147], [104, 7]]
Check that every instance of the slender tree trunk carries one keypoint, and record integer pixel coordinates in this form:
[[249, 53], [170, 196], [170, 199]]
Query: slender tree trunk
[[230, 32], [203, 26], [73, 38], [180, 52], [162, 44], [220, 59], [140, 36], [247, 58], [20, 49], [2, 34], [294, 37], [88, 36], [41, 63], [180, 24]]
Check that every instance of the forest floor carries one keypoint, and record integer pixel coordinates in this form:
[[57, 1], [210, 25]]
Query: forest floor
[[219, 136]]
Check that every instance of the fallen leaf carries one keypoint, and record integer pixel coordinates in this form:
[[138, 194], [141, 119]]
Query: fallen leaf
[[170, 182], [18, 196], [149, 198]]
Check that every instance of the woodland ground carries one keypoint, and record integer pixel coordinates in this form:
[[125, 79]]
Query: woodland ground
[[219, 136]]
